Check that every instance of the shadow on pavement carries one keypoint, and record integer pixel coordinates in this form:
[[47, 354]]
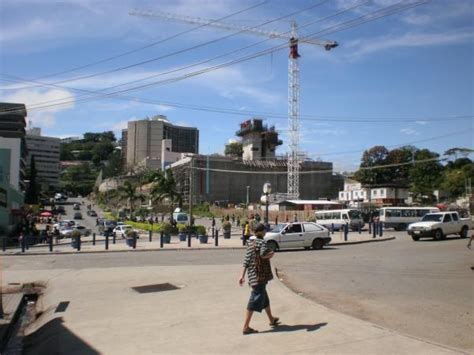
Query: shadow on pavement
[[296, 327], [305, 250], [54, 338]]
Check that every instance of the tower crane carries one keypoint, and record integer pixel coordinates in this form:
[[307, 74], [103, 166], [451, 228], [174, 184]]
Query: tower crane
[[293, 163]]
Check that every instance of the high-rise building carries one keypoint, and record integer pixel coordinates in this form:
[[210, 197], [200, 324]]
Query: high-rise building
[[123, 143], [45, 151], [259, 142], [144, 141]]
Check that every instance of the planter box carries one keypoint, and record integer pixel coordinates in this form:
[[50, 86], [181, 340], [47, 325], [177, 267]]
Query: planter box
[[226, 234], [203, 239], [75, 243], [182, 237], [130, 242], [166, 238]]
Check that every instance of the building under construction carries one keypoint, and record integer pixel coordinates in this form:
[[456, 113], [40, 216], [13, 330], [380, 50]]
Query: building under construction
[[234, 180]]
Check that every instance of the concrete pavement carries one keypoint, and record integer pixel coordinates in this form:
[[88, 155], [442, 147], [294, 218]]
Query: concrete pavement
[[203, 315]]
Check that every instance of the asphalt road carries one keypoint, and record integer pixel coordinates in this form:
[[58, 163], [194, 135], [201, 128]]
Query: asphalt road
[[424, 289]]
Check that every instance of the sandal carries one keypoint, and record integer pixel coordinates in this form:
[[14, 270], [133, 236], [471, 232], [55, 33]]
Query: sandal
[[276, 321], [249, 331]]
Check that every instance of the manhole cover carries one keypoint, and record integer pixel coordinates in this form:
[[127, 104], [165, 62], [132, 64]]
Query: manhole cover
[[155, 288]]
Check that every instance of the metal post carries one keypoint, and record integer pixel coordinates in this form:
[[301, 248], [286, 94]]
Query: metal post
[[346, 231], [50, 241], [161, 239], [243, 236], [79, 244], [332, 228], [150, 235], [4, 243], [189, 239], [359, 227], [93, 238], [370, 227], [266, 211], [114, 237], [213, 231], [134, 240], [27, 242], [374, 229], [381, 229], [216, 239], [22, 244], [107, 242]]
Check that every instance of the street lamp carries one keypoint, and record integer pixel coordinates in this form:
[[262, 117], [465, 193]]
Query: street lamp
[[267, 190]]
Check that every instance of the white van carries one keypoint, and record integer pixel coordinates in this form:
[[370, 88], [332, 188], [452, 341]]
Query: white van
[[399, 218], [337, 218]]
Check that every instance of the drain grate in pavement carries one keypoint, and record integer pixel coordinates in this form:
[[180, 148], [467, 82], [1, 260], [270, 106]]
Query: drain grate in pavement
[[155, 288], [62, 306]]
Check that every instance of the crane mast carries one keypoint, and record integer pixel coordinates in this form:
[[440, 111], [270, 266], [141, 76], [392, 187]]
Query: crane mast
[[293, 162]]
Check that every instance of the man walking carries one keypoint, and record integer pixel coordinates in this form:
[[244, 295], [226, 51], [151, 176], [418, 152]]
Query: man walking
[[257, 265]]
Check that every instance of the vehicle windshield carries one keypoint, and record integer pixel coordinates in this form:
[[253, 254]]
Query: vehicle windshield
[[354, 214], [432, 218], [277, 228]]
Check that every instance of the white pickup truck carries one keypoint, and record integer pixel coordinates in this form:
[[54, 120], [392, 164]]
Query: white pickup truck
[[438, 225]]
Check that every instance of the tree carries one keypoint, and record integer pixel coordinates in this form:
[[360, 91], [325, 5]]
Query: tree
[[403, 155], [32, 192], [425, 176], [456, 175], [234, 149], [128, 192], [114, 166], [164, 188], [375, 156]]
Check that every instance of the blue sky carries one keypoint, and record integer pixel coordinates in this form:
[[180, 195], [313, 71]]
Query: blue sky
[[400, 79]]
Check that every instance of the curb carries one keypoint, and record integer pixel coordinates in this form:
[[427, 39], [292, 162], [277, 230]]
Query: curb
[[19, 253]]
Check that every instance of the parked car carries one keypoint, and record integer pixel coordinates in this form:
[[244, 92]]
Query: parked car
[[78, 215], [64, 223], [76, 207], [439, 225], [297, 235], [93, 213], [66, 233], [121, 230], [60, 197], [61, 210]]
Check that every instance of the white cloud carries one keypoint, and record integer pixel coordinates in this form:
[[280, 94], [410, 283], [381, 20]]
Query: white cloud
[[421, 123], [409, 131], [41, 104], [363, 47]]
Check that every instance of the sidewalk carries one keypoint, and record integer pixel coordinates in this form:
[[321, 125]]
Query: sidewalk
[[203, 315], [143, 244]]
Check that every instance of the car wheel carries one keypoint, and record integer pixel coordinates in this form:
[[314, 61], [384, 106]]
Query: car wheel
[[464, 232], [415, 238], [438, 235], [318, 244], [272, 245]]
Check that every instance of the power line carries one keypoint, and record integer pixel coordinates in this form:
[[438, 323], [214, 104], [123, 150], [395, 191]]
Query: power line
[[143, 47], [242, 59], [324, 171]]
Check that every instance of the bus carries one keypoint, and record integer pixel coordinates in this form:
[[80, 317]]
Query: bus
[[399, 218], [337, 218]]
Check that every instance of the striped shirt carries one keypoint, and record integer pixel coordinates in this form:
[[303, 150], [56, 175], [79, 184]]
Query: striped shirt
[[249, 260]]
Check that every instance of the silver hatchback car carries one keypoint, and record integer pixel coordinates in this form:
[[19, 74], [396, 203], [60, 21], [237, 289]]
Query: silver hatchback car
[[297, 235]]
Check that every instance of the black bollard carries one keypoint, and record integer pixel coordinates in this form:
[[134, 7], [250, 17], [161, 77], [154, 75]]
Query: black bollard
[[4, 243], [150, 235], [134, 240], [243, 237], [93, 238], [213, 232], [346, 231], [381, 229], [332, 228], [114, 237], [374, 230], [107, 242], [50, 242], [79, 244], [216, 239], [27, 242], [370, 227], [161, 239], [189, 239], [23, 244], [359, 227]]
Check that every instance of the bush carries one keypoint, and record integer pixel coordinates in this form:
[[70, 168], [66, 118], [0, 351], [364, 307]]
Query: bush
[[201, 230], [311, 219], [227, 226], [182, 228], [75, 234], [166, 228]]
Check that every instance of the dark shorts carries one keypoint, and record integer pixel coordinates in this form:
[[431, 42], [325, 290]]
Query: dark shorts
[[258, 298]]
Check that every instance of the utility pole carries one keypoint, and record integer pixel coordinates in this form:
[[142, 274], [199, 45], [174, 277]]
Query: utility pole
[[248, 190]]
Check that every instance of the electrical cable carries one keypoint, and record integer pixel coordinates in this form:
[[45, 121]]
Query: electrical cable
[[205, 70]]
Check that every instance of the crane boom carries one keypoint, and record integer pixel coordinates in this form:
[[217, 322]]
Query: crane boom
[[231, 27]]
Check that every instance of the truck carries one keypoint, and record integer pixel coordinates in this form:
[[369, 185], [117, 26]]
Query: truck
[[439, 225]]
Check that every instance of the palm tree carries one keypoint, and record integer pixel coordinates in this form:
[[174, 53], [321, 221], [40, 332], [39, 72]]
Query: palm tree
[[128, 192], [164, 188]]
